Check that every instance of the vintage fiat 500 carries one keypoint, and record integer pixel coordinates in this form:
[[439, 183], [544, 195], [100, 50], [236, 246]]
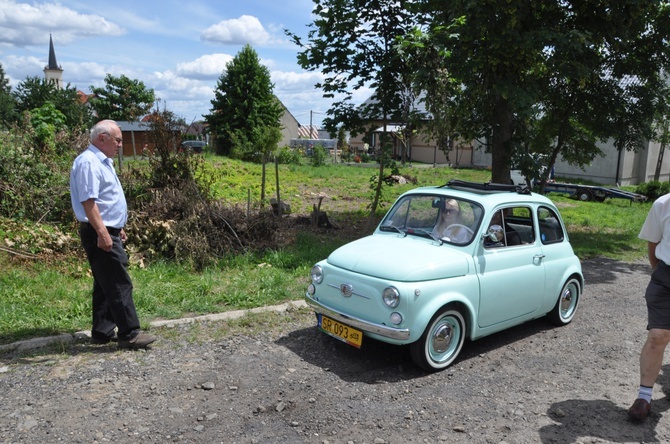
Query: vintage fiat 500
[[446, 263]]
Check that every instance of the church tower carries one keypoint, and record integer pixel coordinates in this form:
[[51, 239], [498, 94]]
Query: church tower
[[53, 73]]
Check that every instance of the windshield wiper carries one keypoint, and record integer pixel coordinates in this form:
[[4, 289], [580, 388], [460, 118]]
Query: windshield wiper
[[393, 228], [426, 232]]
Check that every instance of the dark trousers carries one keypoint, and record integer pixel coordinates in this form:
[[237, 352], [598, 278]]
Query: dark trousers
[[113, 304]]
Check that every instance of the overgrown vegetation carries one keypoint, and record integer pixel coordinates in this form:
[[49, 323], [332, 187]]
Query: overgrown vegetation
[[653, 189], [198, 240], [34, 176]]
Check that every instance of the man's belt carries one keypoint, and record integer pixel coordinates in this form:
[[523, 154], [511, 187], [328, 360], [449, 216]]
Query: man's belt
[[111, 230]]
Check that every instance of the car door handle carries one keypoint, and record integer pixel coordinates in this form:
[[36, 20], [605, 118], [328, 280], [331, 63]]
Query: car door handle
[[537, 259]]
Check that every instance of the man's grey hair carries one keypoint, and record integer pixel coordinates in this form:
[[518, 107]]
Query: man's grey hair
[[104, 126]]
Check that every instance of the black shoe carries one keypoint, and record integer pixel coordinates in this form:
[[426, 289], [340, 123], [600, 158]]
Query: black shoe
[[102, 340], [639, 410], [141, 340]]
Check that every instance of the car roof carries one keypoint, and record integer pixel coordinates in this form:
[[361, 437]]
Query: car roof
[[488, 194]]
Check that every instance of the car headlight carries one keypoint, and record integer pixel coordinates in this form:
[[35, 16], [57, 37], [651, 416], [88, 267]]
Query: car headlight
[[316, 274], [391, 297]]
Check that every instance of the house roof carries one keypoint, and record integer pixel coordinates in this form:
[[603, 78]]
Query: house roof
[[133, 126], [308, 131], [418, 106]]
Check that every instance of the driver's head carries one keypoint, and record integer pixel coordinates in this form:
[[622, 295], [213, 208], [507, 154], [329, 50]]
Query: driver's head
[[451, 210]]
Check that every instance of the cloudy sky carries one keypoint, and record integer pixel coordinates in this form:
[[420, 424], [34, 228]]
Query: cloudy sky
[[178, 48]]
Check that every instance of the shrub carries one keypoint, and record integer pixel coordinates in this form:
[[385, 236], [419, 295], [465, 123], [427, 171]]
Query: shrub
[[653, 189], [319, 156], [289, 156], [34, 180]]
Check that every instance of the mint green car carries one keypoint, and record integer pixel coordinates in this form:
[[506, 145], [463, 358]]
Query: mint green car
[[463, 260]]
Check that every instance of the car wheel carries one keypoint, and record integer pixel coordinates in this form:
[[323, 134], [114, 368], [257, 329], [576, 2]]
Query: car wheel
[[442, 341], [566, 305]]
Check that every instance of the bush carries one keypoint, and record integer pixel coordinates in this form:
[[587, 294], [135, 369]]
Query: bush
[[653, 189], [319, 156], [34, 180], [289, 156]]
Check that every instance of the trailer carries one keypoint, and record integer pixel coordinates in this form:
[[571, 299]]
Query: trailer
[[587, 193]]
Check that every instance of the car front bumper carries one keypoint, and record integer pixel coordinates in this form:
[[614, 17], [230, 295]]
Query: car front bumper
[[398, 334]]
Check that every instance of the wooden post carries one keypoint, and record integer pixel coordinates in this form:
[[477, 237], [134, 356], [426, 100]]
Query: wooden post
[[279, 205], [132, 137]]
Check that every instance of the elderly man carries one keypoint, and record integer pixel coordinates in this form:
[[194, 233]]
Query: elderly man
[[100, 206]]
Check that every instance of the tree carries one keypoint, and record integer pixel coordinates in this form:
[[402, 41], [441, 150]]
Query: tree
[[550, 76], [265, 139], [7, 103], [46, 122], [353, 43], [35, 92], [243, 101], [122, 98]]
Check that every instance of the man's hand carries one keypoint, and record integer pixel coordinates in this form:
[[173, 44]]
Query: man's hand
[[123, 236], [105, 241]]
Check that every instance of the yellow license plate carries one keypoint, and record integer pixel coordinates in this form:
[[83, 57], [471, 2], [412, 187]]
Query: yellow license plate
[[341, 331]]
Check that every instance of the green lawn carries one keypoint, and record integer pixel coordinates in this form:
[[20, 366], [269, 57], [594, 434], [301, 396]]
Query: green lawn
[[47, 298]]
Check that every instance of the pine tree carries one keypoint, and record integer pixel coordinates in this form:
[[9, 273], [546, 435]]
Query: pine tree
[[244, 106]]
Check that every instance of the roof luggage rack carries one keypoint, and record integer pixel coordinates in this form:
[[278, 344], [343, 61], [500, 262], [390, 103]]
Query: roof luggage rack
[[487, 187]]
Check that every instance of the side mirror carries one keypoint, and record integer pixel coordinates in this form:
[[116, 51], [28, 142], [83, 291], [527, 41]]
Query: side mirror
[[495, 234]]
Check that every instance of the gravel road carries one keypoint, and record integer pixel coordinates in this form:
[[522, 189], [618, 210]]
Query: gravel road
[[274, 378]]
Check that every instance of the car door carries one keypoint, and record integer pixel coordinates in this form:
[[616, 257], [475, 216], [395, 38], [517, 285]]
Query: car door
[[511, 277]]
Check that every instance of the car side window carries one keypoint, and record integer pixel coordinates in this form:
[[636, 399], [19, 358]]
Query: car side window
[[509, 227], [550, 228]]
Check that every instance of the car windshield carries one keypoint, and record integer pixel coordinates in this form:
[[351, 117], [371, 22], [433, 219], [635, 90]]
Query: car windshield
[[440, 217]]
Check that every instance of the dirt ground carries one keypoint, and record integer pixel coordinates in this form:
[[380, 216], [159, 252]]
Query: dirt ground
[[276, 378]]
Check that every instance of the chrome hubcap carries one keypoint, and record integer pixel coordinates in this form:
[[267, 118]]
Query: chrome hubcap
[[442, 338]]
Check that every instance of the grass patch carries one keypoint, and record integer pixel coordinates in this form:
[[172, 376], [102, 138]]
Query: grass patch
[[39, 299]]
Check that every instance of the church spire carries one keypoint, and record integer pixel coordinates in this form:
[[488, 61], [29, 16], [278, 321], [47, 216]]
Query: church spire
[[53, 73], [53, 64]]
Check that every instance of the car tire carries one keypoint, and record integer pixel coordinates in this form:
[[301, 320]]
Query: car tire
[[441, 342], [566, 305]]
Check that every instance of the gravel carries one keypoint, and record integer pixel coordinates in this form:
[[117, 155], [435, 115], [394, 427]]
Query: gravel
[[273, 377]]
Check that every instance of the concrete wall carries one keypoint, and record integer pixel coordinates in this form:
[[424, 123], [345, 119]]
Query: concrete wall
[[289, 128], [633, 167]]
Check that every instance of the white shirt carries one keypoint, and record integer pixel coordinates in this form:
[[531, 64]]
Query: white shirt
[[93, 177], [657, 225]]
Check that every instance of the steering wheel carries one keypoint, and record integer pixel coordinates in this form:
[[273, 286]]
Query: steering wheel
[[450, 228]]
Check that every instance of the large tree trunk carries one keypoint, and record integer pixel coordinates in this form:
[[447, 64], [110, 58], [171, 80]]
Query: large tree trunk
[[501, 141]]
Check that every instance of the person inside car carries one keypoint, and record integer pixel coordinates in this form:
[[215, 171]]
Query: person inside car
[[449, 223]]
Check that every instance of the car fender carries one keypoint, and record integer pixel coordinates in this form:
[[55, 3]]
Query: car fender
[[467, 306], [574, 270]]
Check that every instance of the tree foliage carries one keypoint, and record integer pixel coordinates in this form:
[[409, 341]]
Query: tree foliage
[[244, 104], [35, 92], [7, 103], [550, 77], [122, 98], [353, 43]]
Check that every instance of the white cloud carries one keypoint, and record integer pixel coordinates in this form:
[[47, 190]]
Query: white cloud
[[206, 67], [18, 68], [295, 81], [246, 29], [23, 24]]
